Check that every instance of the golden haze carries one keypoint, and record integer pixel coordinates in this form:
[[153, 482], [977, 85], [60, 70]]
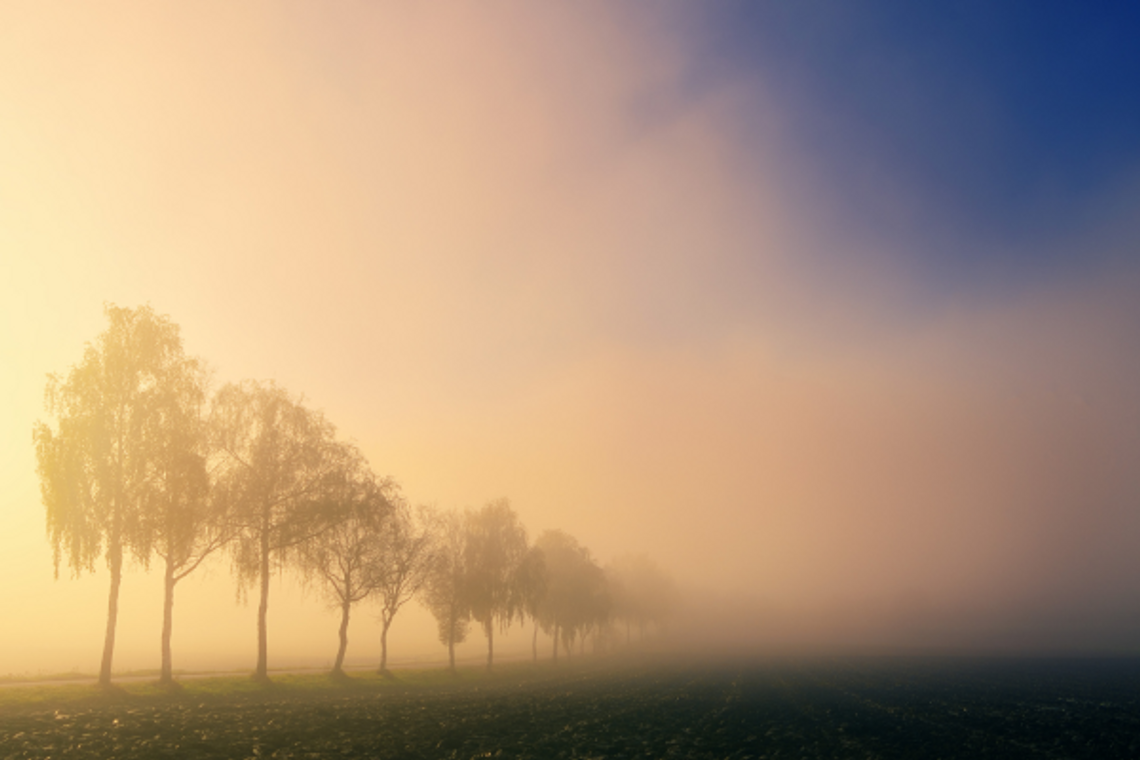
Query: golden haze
[[509, 253]]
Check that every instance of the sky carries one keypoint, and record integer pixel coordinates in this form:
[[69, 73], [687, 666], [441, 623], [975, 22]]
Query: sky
[[831, 308]]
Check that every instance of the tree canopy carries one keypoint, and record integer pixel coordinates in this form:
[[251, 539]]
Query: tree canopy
[[643, 594], [343, 559], [406, 553], [576, 594], [496, 545], [281, 469], [116, 449], [445, 593], [143, 461]]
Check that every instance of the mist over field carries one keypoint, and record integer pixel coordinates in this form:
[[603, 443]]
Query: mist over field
[[831, 311]]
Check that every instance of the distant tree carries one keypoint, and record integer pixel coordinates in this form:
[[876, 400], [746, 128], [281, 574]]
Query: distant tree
[[644, 595], [404, 562], [446, 590], [576, 596], [281, 465], [496, 545], [620, 599], [343, 558], [531, 583], [98, 468]]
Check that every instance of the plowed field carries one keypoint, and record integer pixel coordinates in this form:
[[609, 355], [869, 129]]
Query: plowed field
[[820, 709]]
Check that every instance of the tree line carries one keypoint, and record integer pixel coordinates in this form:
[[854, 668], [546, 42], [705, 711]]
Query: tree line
[[145, 461]]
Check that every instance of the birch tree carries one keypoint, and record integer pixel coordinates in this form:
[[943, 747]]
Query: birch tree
[[446, 590], [403, 564], [280, 465], [496, 545], [97, 467], [531, 585], [343, 559], [644, 594], [576, 596], [185, 521]]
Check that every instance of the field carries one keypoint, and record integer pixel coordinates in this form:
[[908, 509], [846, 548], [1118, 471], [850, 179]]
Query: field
[[851, 708]]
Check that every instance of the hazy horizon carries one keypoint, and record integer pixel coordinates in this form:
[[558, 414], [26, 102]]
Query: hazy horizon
[[835, 315]]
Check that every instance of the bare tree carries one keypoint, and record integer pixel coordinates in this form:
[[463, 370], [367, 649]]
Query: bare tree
[[97, 470], [281, 464], [402, 564], [496, 544], [343, 558], [446, 590]]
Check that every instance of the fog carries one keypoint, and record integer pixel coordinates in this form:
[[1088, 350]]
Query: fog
[[520, 251]]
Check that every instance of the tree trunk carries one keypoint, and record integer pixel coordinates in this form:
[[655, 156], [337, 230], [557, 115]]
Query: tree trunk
[[262, 671], [451, 651], [385, 622], [490, 630], [534, 642], [338, 667], [556, 643], [115, 559], [166, 676]]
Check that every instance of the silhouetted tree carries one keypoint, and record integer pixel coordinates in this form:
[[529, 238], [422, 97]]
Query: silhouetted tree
[[576, 596], [403, 564], [530, 584], [281, 465], [99, 469], [344, 557], [446, 590], [643, 594], [496, 544]]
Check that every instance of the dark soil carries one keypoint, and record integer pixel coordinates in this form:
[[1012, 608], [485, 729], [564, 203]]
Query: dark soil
[[832, 709]]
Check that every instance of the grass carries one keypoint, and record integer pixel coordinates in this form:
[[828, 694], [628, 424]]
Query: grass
[[44, 694]]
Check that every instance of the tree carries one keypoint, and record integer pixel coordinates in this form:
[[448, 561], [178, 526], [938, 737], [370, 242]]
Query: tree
[[281, 465], [446, 590], [643, 593], [531, 583], [496, 544], [98, 469], [403, 564], [185, 522], [343, 558], [576, 596]]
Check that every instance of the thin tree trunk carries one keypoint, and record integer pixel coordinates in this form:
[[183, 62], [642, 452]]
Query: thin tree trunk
[[490, 629], [534, 642], [167, 673], [386, 621], [556, 642], [262, 671], [115, 557], [451, 650], [338, 667]]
